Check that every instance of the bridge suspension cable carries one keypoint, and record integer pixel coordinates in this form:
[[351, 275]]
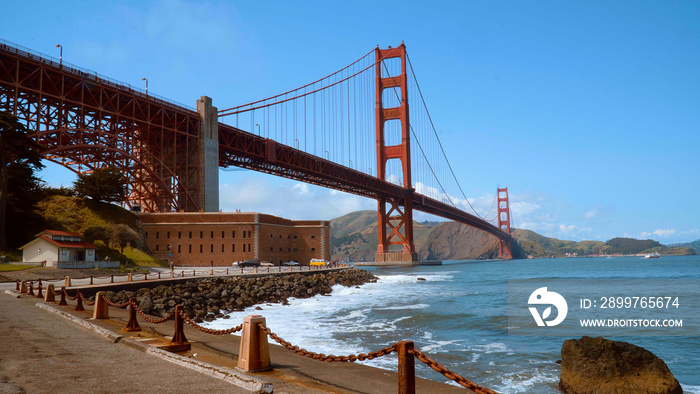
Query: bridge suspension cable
[[441, 149], [333, 118]]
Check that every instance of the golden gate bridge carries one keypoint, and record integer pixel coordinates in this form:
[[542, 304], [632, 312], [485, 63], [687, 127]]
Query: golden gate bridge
[[364, 129]]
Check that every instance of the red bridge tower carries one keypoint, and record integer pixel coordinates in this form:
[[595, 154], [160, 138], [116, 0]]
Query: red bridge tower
[[396, 224], [504, 250]]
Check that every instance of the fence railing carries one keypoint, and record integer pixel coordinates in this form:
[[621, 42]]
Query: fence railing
[[173, 274], [76, 264], [254, 354]]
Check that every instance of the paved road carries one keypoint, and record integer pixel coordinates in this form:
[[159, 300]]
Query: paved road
[[40, 352]]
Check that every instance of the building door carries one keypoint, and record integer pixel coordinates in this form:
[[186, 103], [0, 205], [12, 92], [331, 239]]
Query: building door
[[79, 255]]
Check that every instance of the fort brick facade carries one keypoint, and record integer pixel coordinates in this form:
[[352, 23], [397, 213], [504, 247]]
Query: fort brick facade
[[200, 238]]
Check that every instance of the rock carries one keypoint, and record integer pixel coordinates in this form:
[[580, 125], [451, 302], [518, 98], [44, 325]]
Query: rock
[[257, 308], [599, 365], [422, 279]]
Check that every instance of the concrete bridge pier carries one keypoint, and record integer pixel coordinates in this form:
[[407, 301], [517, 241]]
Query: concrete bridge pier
[[208, 153]]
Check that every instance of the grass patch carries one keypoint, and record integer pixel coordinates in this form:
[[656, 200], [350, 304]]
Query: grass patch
[[12, 267], [141, 259]]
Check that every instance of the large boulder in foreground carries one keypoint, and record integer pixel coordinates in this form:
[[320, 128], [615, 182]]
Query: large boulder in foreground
[[599, 365]]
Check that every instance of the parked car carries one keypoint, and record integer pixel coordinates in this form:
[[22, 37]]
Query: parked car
[[267, 264], [249, 263], [290, 263]]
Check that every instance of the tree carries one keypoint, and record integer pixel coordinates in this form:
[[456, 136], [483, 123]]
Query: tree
[[123, 236], [24, 194], [104, 184], [17, 151]]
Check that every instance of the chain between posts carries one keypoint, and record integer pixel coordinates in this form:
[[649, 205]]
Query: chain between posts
[[85, 300], [459, 379], [77, 294], [330, 358], [148, 319], [209, 330], [114, 304]]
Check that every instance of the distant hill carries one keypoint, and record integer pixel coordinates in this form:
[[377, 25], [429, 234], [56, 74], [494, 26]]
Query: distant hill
[[354, 237], [695, 245], [537, 245]]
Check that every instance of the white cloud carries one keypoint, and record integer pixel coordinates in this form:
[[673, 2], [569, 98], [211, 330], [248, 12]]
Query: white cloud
[[289, 199], [591, 214], [570, 229], [660, 233]]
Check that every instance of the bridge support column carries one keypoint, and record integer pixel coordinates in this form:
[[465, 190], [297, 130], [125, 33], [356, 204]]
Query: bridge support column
[[505, 250], [208, 153], [396, 223]]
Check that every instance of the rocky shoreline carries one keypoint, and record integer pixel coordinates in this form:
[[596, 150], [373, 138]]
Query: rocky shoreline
[[209, 299]]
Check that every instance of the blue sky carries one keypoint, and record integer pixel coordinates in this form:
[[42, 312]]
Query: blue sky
[[587, 111]]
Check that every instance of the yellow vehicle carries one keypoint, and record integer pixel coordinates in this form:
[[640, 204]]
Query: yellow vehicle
[[317, 263]]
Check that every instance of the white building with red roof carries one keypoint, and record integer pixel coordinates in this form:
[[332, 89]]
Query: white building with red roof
[[56, 246]]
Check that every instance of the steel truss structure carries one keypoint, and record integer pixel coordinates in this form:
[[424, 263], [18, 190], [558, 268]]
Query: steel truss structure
[[85, 122]]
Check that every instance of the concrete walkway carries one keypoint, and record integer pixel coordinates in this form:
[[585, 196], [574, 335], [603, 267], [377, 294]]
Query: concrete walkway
[[44, 351]]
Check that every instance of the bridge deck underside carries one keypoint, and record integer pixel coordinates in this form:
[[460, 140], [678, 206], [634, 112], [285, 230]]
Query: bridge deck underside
[[84, 122], [241, 149]]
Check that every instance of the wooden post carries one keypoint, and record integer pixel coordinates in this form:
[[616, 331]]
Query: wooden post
[[407, 371], [31, 289], [39, 294], [253, 354], [132, 324], [128, 277], [68, 283], [23, 287]]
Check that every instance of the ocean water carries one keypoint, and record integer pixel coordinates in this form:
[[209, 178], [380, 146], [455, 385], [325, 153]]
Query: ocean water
[[459, 316]]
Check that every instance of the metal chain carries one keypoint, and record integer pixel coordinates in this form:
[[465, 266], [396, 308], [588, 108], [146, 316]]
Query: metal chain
[[209, 330], [72, 298], [85, 300], [461, 380], [121, 306], [330, 358], [154, 321]]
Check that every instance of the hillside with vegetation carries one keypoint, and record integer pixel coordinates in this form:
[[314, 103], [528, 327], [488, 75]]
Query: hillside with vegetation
[[695, 245], [112, 229], [536, 245], [354, 237]]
